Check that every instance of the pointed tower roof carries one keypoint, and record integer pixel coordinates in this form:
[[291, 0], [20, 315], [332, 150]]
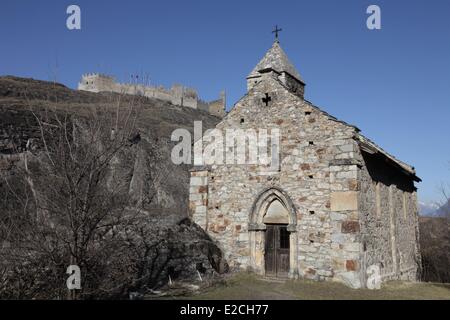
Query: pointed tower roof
[[277, 60]]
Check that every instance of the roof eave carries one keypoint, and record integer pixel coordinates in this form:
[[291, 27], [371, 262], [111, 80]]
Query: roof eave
[[369, 147]]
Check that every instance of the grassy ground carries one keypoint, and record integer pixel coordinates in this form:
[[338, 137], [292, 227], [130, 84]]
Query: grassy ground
[[247, 286]]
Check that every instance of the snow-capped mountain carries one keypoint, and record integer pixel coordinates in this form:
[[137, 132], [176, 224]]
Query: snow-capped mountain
[[428, 208], [444, 210]]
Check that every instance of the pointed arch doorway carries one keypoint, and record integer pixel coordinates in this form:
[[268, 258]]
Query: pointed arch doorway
[[273, 237], [276, 247]]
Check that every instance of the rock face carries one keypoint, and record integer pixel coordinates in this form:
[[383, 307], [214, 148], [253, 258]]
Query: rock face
[[146, 166], [194, 252], [350, 205]]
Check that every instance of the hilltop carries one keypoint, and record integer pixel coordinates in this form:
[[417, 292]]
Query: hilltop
[[154, 189], [157, 120]]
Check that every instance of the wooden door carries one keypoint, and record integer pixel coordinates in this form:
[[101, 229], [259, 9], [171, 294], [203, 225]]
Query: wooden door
[[277, 250]]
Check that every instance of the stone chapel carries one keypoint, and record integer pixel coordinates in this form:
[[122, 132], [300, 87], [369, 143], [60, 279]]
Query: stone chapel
[[336, 204]]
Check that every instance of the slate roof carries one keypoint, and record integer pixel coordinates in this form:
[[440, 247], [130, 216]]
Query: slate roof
[[276, 59]]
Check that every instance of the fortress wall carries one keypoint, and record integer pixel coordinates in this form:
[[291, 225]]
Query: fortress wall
[[217, 108], [150, 92], [158, 93], [190, 102], [177, 94], [202, 105], [97, 83]]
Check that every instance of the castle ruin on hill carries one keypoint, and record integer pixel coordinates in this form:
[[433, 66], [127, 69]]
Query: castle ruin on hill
[[177, 95]]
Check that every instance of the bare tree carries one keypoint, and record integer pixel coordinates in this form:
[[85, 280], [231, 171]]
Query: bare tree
[[67, 206], [435, 241], [75, 197], [444, 209]]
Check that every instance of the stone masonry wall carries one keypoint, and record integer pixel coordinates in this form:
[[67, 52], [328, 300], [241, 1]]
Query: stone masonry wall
[[198, 197], [389, 216], [317, 172]]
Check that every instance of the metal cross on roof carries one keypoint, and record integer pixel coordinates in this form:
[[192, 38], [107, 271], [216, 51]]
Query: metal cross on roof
[[276, 31]]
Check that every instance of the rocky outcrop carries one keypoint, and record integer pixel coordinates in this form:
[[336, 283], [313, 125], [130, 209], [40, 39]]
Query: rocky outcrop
[[185, 252], [145, 165]]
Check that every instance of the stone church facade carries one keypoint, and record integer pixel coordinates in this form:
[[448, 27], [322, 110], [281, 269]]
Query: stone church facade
[[336, 204]]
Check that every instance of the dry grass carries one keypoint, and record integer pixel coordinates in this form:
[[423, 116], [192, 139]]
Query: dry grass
[[246, 287]]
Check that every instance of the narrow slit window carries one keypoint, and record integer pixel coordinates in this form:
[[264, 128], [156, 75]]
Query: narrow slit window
[[284, 238]]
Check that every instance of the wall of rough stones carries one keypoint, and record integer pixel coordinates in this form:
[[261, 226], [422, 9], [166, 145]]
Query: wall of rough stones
[[339, 229], [198, 197], [389, 220], [216, 107], [328, 246]]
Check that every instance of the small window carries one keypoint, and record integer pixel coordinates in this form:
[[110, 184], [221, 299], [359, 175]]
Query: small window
[[311, 143], [311, 176], [284, 238], [307, 113], [242, 120], [312, 212]]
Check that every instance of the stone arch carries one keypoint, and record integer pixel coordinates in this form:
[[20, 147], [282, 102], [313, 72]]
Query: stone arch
[[265, 198], [257, 228], [276, 213]]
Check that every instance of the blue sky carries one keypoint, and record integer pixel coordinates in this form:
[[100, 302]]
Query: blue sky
[[394, 84]]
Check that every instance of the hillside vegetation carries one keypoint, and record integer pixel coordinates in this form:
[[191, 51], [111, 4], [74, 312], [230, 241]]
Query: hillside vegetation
[[87, 179], [435, 249], [156, 121]]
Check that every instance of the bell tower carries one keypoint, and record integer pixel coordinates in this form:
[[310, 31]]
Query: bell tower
[[275, 63]]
